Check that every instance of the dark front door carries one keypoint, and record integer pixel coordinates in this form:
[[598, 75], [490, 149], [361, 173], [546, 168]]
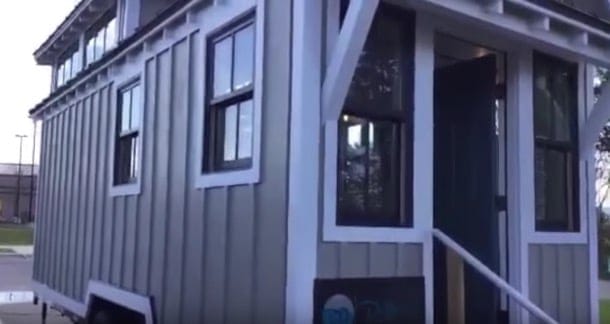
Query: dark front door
[[464, 179]]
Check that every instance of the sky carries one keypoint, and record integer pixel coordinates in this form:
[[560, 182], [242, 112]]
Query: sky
[[24, 25]]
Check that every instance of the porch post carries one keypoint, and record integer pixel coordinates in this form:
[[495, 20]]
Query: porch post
[[304, 160]]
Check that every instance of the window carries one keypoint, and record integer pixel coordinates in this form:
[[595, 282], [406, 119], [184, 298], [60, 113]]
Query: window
[[70, 65], [101, 38], [230, 106], [556, 148], [128, 130], [375, 132]]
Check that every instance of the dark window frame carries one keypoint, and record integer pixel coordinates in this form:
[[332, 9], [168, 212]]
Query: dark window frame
[[121, 175], [215, 107], [403, 118], [568, 148]]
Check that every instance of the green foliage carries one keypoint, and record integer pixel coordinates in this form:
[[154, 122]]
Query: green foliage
[[604, 311], [16, 235]]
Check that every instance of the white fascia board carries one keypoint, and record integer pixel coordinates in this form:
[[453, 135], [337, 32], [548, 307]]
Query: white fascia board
[[344, 60]]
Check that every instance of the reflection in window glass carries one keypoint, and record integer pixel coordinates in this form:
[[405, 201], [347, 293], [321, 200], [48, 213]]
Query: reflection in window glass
[[125, 110], [230, 133], [68, 69], [110, 35], [246, 114], [244, 58], [90, 51], [135, 107], [369, 169], [222, 66]]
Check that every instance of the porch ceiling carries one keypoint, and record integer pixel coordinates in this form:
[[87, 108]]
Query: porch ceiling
[[531, 21]]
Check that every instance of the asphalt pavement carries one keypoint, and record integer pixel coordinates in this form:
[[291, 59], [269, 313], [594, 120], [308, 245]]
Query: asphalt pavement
[[15, 294]]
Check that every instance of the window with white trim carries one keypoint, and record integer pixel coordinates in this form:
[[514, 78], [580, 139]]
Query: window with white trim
[[102, 37], [556, 144], [375, 130], [230, 93], [127, 134], [70, 63]]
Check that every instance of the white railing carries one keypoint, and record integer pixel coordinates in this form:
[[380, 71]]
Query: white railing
[[492, 277]]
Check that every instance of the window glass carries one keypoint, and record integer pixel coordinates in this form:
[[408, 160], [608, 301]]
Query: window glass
[[99, 44], [556, 143], [67, 69], [230, 133], [60, 76], [125, 110], [378, 80], [246, 120], [90, 51], [222, 66], [76, 63], [244, 58], [369, 171], [374, 137], [111, 35], [135, 107]]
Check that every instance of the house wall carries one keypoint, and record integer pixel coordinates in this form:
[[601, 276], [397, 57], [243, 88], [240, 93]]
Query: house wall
[[211, 255], [559, 281]]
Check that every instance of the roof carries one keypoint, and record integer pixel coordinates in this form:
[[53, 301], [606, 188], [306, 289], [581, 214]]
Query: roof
[[76, 22], [112, 54]]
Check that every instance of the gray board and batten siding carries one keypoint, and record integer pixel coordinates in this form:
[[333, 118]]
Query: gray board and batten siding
[[559, 281], [205, 255]]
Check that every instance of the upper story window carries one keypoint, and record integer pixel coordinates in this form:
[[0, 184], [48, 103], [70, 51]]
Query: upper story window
[[127, 134], [230, 106], [556, 148], [102, 37], [375, 132], [69, 65]]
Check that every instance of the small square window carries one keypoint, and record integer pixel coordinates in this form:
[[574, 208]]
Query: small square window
[[127, 138], [230, 107]]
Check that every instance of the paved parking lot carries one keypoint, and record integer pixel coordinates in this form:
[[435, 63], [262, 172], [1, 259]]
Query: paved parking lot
[[15, 282]]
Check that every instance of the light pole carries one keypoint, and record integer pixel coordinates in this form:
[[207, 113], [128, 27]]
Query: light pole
[[21, 137]]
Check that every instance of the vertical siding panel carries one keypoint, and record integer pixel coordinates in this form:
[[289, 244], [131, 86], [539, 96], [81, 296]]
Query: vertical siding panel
[[328, 260], [580, 265], [130, 238], [549, 279], [69, 208], [109, 210], [383, 262], [118, 247], [91, 199], [564, 288], [144, 244], [161, 182], [535, 280], [61, 206], [409, 260], [84, 127], [215, 253], [100, 188], [54, 189], [240, 255], [193, 226], [177, 171], [354, 260]]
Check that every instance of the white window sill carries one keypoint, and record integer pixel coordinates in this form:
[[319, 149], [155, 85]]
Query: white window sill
[[360, 234], [131, 189], [558, 238], [229, 178]]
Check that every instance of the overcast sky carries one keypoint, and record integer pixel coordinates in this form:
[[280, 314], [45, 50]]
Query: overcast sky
[[24, 25]]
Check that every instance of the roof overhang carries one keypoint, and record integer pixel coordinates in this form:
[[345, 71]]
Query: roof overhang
[[77, 22], [569, 30]]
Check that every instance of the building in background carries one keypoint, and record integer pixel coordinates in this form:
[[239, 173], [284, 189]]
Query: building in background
[[17, 188]]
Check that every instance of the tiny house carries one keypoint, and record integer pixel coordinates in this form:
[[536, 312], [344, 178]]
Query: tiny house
[[326, 161]]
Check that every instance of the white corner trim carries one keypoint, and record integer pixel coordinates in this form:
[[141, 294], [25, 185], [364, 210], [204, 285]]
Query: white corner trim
[[304, 159], [134, 302], [58, 300], [596, 120], [237, 177], [343, 62]]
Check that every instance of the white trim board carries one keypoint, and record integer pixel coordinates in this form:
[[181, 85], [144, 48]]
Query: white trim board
[[304, 159]]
